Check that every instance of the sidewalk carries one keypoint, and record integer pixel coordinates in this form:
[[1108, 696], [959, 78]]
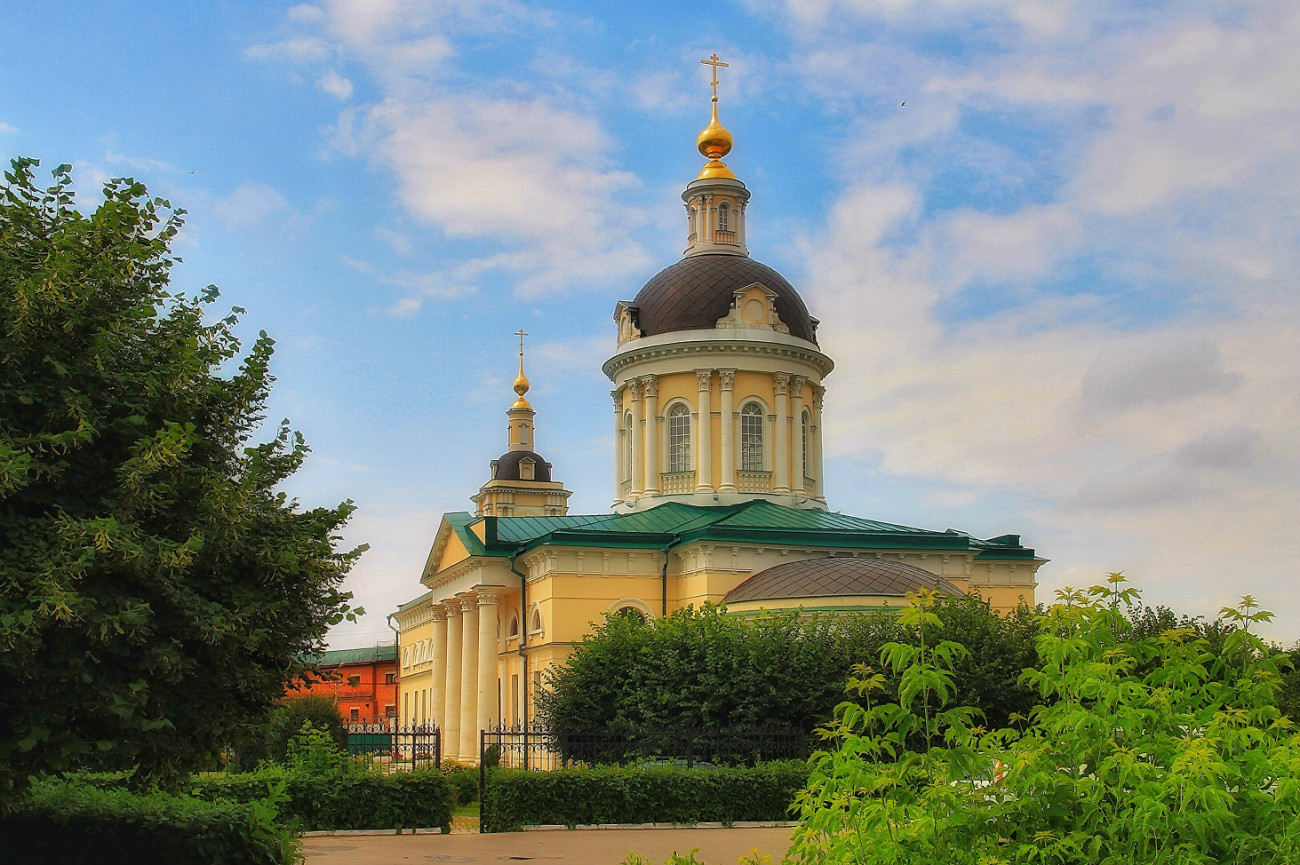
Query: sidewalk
[[560, 846]]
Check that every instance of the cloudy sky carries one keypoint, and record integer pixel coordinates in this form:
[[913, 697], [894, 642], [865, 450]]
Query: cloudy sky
[[1055, 247]]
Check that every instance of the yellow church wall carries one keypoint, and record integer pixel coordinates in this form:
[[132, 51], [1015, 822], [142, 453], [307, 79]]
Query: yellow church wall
[[415, 672]]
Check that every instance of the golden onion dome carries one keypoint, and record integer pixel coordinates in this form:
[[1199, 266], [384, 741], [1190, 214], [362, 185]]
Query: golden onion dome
[[714, 143], [521, 387]]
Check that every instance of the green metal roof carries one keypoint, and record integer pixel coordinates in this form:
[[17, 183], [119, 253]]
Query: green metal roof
[[368, 655], [750, 522]]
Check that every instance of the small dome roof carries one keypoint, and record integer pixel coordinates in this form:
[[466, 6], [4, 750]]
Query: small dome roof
[[697, 291], [837, 577], [507, 466]]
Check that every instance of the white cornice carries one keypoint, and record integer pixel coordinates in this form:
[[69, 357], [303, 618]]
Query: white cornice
[[719, 343]]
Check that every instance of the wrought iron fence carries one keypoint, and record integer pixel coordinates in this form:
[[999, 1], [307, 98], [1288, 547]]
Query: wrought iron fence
[[391, 748], [534, 746]]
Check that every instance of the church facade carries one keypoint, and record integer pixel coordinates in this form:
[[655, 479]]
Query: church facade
[[718, 494]]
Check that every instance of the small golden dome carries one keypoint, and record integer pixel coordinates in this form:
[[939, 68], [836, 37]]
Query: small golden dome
[[714, 143], [521, 387]]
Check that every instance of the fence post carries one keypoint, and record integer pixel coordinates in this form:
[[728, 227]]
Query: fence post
[[482, 780]]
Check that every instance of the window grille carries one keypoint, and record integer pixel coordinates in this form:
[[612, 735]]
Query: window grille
[[679, 439], [751, 438]]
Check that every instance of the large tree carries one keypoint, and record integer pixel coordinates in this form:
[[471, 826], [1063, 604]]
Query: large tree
[[156, 589]]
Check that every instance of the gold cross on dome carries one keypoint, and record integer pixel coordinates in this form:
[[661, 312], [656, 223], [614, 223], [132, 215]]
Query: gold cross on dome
[[715, 63], [521, 333]]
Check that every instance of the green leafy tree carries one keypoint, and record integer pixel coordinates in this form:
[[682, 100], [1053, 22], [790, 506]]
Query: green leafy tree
[[156, 590], [1143, 751]]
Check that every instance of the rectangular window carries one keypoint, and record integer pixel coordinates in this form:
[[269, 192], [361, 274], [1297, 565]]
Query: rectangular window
[[390, 678], [354, 714]]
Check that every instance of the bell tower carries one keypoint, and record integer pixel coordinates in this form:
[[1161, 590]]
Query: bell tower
[[521, 485]]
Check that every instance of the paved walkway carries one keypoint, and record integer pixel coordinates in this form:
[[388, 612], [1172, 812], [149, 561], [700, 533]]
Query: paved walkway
[[560, 847]]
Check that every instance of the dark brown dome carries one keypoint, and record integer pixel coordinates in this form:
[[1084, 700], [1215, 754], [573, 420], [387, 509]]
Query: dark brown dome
[[697, 291], [837, 577], [507, 466]]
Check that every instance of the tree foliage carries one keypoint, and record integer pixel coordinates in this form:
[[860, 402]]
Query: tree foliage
[[156, 590], [1143, 749], [704, 668]]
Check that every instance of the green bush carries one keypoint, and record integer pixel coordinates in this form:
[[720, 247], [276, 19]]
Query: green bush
[[1150, 751], [575, 797], [465, 783], [344, 800], [74, 821]]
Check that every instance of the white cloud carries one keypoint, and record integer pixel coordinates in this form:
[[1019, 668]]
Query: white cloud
[[5, 128], [1149, 408], [251, 206], [335, 85], [308, 49]]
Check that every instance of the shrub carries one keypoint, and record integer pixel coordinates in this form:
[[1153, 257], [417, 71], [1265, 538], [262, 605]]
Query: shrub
[[1143, 751], [270, 742], [465, 783], [344, 800], [572, 797], [75, 821]]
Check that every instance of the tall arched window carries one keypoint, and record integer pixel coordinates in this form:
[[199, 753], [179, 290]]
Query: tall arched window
[[679, 438], [805, 444], [751, 438], [627, 445], [724, 217]]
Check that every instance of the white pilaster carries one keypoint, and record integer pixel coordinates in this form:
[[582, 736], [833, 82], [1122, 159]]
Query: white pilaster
[[704, 443], [796, 432], [619, 460], [726, 380], [781, 382], [451, 709], [651, 384], [638, 441]]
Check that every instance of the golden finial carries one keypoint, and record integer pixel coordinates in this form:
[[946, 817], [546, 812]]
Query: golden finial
[[521, 380], [715, 141]]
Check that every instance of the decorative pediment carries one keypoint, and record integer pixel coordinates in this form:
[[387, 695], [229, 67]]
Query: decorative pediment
[[753, 308]]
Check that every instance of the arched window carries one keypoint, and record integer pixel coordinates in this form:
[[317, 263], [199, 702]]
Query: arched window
[[512, 632], [679, 438], [751, 438], [724, 217], [632, 613], [535, 621], [627, 444], [805, 445]]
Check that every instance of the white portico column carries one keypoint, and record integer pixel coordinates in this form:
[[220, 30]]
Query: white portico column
[[651, 434], [726, 378], [704, 443], [451, 705], [487, 660], [782, 462], [638, 440], [796, 432], [438, 667], [468, 707]]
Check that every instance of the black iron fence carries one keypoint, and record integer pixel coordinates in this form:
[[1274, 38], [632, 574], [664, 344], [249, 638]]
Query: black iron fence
[[534, 746], [391, 748]]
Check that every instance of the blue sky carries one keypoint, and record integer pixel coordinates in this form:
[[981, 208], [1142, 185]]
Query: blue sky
[[1061, 283]]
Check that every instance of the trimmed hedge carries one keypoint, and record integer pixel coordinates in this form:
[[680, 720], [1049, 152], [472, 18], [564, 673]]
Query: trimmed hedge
[[515, 798], [71, 822], [346, 800]]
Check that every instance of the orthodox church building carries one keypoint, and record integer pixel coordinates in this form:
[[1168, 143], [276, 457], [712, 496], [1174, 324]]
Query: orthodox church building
[[718, 389]]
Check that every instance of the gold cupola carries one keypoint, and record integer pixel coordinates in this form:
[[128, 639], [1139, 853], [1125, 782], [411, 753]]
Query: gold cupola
[[715, 199]]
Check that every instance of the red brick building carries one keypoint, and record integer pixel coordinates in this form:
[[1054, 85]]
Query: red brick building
[[361, 682]]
